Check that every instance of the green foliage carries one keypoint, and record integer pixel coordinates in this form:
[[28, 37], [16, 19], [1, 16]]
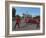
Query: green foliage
[[21, 17]]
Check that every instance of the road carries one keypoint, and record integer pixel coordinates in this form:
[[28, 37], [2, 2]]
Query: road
[[24, 26]]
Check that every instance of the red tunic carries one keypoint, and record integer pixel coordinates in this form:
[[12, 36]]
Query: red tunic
[[17, 20], [26, 20], [33, 21]]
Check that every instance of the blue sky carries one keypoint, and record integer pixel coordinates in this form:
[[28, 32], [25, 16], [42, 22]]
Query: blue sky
[[27, 10]]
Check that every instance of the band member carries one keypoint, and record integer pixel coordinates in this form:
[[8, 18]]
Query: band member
[[17, 20], [26, 20], [38, 24]]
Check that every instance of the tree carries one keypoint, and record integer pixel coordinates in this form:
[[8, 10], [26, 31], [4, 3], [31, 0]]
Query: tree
[[13, 12]]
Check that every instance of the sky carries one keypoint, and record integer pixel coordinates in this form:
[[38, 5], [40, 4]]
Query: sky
[[27, 10]]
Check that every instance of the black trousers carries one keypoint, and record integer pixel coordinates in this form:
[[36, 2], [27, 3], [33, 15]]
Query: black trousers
[[17, 24]]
